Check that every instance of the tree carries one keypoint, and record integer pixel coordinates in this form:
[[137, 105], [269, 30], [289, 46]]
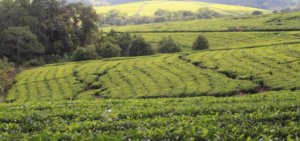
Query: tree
[[107, 49], [82, 54], [257, 13], [139, 47], [15, 13], [122, 39], [201, 43], [167, 45], [206, 13], [19, 44]]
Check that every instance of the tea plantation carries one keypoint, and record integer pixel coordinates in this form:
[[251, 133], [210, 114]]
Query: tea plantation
[[227, 94], [266, 116], [246, 86]]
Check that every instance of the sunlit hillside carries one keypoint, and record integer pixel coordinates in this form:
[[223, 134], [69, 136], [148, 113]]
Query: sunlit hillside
[[148, 8]]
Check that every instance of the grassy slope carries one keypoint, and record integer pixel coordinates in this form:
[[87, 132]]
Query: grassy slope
[[225, 40], [215, 73], [148, 8], [44, 106], [288, 21]]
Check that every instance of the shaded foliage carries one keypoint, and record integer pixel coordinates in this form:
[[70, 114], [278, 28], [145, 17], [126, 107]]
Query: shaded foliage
[[139, 47], [201, 43], [167, 45]]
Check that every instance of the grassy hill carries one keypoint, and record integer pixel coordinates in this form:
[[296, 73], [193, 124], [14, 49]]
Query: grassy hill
[[148, 8], [245, 87], [226, 40], [288, 21], [151, 97], [213, 73]]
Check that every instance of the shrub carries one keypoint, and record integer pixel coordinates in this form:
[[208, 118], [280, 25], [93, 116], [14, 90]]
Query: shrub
[[82, 54], [139, 47], [34, 62], [257, 13], [167, 45], [107, 49], [201, 43]]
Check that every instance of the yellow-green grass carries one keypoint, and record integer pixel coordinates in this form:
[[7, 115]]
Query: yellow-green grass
[[289, 21], [148, 8], [225, 40], [205, 73]]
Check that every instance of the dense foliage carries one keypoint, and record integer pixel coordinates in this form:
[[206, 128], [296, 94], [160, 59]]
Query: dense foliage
[[7, 73], [20, 45], [43, 28]]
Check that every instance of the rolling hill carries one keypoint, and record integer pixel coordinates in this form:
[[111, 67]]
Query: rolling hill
[[276, 22], [264, 4], [245, 87], [212, 73], [148, 8], [219, 92]]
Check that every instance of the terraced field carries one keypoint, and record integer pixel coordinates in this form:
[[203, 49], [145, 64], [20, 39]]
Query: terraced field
[[272, 115], [226, 40], [208, 73], [148, 8], [283, 22], [225, 94], [245, 87]]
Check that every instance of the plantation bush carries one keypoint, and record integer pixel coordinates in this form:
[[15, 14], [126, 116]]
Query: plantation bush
[[167, 45], [201, 43]]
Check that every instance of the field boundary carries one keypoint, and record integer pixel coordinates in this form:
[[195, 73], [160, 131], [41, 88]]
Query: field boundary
[[203, 31]]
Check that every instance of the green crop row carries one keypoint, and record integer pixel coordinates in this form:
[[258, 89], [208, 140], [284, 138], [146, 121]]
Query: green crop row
[[212, 73], [277, 22], [272, 67], [266, 116], [226, 40]]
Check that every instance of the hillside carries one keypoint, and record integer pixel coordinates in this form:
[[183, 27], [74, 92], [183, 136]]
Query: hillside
[[219, 73], [148, 8], [264, 4], [244, 86], [114, 99], [289, 21]]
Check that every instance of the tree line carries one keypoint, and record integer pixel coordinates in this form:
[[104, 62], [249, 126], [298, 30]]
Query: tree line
[[123, 44]]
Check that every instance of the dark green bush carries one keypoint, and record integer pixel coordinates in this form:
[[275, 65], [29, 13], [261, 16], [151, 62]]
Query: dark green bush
[[82, 54], [139, 47], [201, 43], [167, 45], [108, 49]]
